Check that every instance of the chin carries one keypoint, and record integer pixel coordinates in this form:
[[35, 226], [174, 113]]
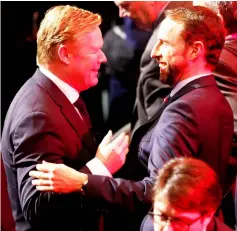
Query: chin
[[93, 82]]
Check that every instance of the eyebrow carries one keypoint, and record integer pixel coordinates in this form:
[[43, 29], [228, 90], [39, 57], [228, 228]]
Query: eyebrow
[[181, 218], [163, 40]]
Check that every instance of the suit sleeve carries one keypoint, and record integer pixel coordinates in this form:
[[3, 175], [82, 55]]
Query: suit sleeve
[[176, 134], [36, 138]]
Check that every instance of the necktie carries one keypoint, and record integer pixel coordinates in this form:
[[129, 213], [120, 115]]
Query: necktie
[[80, 105], [166, 99]]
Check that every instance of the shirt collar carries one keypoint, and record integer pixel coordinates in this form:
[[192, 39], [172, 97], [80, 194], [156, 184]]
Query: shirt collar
[[184, 82], [71, 94]]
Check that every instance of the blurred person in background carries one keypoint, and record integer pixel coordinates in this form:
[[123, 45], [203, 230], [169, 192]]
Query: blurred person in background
[[123, 46]]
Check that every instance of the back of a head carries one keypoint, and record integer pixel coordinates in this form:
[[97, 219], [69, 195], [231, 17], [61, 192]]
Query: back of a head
[[227, 10], [201, 24], [188, 184], [60, 25]]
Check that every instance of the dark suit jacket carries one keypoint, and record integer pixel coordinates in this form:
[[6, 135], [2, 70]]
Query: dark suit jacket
[[226, 78], [197, 122], [7, 221], [226, 75], [42, 124], [150, 90]]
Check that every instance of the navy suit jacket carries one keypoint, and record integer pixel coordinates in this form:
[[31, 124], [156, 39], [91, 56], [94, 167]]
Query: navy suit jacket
[[197, 121], [42, 124]]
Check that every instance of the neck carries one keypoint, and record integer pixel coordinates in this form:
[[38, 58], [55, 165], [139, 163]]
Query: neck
[[57, 70], [193, 70]]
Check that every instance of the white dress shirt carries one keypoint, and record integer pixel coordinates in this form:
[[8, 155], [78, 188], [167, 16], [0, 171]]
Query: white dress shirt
[[95, 165], [184, 82]]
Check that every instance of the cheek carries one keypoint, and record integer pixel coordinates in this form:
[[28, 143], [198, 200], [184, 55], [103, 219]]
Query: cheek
[[157, 227]]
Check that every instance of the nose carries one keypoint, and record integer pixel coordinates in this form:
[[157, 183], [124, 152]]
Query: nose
[[123, 13], [156, 50], [103, 58]]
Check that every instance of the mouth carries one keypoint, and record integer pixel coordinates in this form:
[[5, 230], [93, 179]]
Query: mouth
[[162, 65]]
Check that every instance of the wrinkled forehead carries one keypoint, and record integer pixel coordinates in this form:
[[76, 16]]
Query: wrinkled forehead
[[169, 28], [93, 38], [121, 3]]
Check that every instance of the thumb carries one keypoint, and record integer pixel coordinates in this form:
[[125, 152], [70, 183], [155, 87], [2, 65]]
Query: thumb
[[107, 139]]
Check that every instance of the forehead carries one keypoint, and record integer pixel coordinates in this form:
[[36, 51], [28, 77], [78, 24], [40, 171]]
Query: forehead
[[122, 3], [92, 39], [169, 29], [126, 4], [164, 207]]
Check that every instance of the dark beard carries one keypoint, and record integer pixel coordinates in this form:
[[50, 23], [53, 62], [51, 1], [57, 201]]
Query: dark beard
[[169, 76]]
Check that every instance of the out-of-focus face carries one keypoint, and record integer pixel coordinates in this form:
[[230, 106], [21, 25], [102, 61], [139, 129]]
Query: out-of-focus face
[[167, 218], [171, 52], [142, 12], [86, 58]]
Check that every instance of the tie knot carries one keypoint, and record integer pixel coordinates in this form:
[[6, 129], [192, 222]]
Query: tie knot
[[166, 99], [80, 105]]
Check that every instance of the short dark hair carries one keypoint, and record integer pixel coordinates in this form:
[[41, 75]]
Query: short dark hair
[[188, 184], [228, 11], [201, 24]]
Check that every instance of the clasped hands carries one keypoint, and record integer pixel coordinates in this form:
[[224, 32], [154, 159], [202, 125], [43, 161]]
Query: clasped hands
[[63, 179]]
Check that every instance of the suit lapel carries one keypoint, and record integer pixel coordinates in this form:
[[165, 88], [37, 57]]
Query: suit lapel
[[67, 108], [197, 83]]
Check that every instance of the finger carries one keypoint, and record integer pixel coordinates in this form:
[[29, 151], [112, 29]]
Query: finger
[[124, 155], [119, 140], [124, 145], [40, 175], [45, 188], [119, 148], [106, 139], [46, 167], [42, 182], [45, 162]]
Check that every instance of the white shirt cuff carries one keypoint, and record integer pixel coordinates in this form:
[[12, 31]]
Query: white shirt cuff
[[97, 167]]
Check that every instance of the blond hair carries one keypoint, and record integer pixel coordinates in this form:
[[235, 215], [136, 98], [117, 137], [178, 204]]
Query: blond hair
[[62, 24]]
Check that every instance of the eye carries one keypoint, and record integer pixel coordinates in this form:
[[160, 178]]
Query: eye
[[165, 43], [162, 217]]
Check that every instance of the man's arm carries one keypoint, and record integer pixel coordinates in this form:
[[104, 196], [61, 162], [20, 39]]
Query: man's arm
[[44, 141], [175, 135], [32, 146]]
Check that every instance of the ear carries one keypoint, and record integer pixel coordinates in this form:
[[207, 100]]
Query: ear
[[63, 54], [197, 49]]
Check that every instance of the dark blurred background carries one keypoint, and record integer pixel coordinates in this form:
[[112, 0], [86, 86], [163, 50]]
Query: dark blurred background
[[18, 45]]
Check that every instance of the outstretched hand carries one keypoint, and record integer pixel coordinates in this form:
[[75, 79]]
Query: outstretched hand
[[113, 153], [57, 178]]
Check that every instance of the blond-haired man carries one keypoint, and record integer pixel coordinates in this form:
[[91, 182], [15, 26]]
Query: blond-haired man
[[47, 120]]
